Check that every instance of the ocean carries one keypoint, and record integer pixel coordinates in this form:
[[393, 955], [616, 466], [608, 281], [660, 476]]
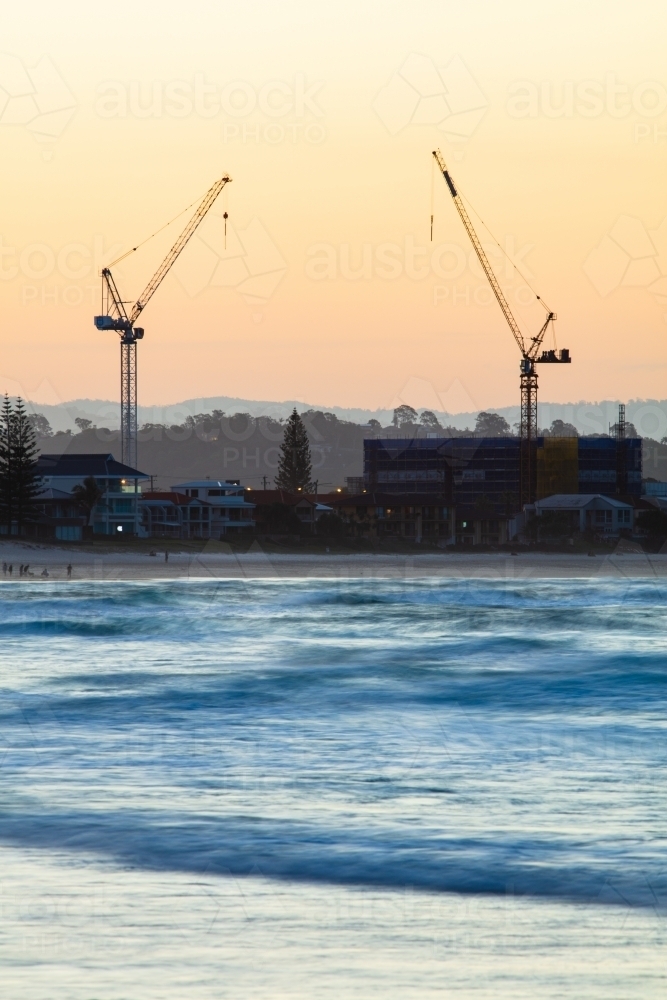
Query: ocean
[[333, 788]]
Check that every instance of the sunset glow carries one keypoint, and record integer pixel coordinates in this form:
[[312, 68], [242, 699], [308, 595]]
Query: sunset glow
[[329, 289]]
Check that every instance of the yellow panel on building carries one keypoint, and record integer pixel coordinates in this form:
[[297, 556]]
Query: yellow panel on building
[[558, 466]]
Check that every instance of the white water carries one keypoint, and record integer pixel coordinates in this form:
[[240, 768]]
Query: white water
[[316, 788]]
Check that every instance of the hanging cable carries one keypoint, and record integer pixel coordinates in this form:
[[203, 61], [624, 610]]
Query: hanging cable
[[432, 194], [143, 242], [504, 252], [225, 205]]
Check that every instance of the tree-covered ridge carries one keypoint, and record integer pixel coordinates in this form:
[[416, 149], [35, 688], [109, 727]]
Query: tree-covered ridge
[[241, 446]]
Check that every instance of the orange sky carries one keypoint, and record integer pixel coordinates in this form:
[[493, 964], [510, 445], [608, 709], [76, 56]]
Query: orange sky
[[554, 124]]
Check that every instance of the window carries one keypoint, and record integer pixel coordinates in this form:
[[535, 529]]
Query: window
[[68, 533], [193, 493]]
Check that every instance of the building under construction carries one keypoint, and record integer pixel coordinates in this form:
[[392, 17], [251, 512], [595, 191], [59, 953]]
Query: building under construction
[[485, 473]]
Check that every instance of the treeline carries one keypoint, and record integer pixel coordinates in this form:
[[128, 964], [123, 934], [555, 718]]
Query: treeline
[[211, 426], [216, 424], [240, 446], [234, 446]]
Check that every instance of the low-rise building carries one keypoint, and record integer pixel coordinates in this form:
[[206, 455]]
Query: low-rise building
[[414, 516], [306, 507], [654, 488], [118, 512], [587, 513], [175, 515], [229, 510], [59, 517]]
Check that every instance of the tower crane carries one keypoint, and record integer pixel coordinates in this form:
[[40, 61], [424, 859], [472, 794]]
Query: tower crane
[[530, 351], [115, 316]]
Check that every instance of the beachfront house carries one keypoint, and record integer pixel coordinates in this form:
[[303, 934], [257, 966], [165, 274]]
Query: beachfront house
[[586, 513], [223, 505], [118, 512], [175, 515], [306, 507]]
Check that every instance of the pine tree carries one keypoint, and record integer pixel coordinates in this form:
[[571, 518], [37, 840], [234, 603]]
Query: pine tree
[[19, 483], [28, 484], [294, 469], [6, 502]]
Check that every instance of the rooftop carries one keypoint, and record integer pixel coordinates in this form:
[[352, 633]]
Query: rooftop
[[561, 501], [170, 496], [98, 464], [53, 494], [205, 484]]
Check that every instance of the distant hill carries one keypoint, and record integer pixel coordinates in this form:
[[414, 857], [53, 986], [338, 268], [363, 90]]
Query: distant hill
[[246, 447], [648, 415]]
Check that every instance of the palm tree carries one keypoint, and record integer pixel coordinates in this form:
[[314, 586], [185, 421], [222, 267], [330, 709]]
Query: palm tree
[[88, 495]]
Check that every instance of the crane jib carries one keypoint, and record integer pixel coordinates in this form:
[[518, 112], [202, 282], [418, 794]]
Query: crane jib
[[450, 183], [530, 356]]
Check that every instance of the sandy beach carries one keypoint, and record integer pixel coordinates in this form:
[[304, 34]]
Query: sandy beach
[[87, 564]]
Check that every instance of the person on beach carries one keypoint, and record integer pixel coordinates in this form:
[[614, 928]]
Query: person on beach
[[69, 571], [4, 569], [11, 569], [166, 557], [45, 572]]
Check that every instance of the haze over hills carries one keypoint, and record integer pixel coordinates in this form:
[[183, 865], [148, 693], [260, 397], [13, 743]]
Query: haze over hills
[[648, 415], [240, 438]]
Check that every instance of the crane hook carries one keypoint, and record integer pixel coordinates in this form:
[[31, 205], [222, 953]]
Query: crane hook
[[225, 217]]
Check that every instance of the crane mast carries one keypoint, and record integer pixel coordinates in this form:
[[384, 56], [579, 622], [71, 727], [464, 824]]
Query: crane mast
[[529, 351], [116, 317]]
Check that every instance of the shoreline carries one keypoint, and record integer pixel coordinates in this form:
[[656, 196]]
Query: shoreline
[[259, 564]]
